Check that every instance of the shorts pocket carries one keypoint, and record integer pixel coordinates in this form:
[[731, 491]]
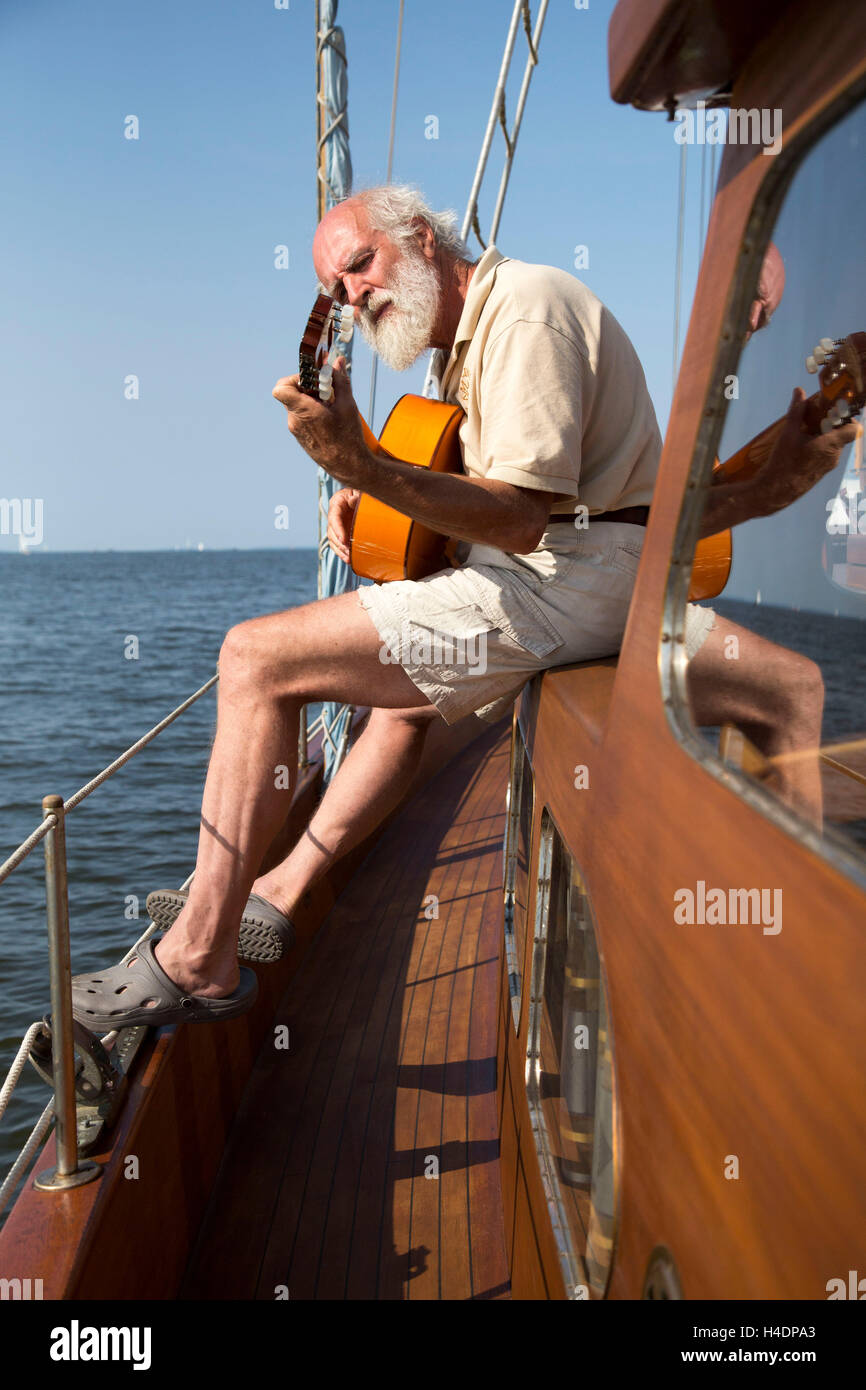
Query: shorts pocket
[[508, 605], [625, 556]]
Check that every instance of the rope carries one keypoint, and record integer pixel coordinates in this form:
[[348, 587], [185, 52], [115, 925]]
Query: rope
[[107, 772], [476, 227], [40, 1129], [527, 24], [18, 1066], [504, 123], [521, 10], [26, 846], [50, 822], [374, 374], [43, 1124]]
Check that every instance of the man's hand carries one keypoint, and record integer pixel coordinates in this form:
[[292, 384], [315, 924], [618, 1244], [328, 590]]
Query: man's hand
[[341, 512], [798, 459], [331, 434]]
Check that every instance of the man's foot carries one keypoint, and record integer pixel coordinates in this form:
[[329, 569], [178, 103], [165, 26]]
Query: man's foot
[[140, 991], [201, 976], [268, 888], [265, 932]]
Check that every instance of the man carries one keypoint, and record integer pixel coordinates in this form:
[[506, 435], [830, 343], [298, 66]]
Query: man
[[557, 415], [773, 695]]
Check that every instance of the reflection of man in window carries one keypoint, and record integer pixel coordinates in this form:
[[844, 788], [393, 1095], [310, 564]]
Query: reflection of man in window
[[771, 694]]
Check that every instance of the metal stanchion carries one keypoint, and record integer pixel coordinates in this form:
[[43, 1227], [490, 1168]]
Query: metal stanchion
[[69, 1172]]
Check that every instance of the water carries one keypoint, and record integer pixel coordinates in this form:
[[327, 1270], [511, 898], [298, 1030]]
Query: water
[[70, 702]]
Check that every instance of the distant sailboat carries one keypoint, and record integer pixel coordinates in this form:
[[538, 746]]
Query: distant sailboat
[[23, 547]]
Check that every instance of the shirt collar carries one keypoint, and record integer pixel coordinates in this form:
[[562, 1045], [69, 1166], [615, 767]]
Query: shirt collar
[[476, 297]]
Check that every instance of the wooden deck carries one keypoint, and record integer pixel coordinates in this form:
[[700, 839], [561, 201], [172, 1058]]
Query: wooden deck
[[390, 1075]]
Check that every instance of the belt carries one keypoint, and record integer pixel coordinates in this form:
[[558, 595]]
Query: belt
[[637, 516]]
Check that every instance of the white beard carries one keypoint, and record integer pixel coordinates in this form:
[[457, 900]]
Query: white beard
[[404, 332]]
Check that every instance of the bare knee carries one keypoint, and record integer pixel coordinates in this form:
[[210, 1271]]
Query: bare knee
[[802, 691], [767, 686], [247, 656]]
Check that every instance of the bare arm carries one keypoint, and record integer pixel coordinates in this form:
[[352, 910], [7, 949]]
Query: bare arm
[[472, 509]]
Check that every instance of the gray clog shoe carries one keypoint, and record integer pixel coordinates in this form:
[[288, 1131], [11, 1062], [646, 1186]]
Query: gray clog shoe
[[265, 934], [139, 991]]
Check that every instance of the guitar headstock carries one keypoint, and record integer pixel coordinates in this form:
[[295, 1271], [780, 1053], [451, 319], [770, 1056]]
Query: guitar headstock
[[841, 363], [329, 327]]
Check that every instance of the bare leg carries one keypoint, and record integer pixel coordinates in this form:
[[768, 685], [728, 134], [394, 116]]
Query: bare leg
[[269, 667], [775, 696], [371, 780]]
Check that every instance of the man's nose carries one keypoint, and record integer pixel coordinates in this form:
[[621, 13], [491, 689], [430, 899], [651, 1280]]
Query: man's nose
[[357, 292]]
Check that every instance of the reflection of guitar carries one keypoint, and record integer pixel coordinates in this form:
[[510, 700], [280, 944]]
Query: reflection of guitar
[[385, 544], [842, 366]]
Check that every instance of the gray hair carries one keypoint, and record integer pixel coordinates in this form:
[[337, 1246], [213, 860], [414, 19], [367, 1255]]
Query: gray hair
[[393, 207]]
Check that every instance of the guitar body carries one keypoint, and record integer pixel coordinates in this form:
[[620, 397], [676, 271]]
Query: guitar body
[[711, 568], [385, 544], [712, 565]]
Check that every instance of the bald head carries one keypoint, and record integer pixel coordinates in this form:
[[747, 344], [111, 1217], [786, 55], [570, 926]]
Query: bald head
[[341, 234], [771, 287]]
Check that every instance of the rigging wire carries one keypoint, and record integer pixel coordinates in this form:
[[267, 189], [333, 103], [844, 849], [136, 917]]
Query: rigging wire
[[678, 276], [438, 357], [702, 231], [374, 373]]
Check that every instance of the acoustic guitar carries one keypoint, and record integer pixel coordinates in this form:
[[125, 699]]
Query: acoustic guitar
[[841, 363], [385, 544]]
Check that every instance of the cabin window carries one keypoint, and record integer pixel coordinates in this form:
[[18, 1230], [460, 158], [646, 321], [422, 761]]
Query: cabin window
[[518, 843], [777, 690], [570, 1077]]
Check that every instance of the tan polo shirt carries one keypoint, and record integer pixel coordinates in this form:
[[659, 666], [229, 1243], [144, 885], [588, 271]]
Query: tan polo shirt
[[554, 394]]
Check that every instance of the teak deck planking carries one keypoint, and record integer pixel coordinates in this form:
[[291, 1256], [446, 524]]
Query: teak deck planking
[[392, 1064]]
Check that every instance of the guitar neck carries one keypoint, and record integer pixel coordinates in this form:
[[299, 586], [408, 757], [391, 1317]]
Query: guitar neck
[[750, 459]]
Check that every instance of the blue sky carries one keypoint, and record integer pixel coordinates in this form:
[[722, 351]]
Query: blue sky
[[155, 257]]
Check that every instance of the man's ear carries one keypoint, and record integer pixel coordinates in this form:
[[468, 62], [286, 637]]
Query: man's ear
[[424, 236]]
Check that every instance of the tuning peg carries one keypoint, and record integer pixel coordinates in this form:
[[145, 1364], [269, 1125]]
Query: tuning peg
[[811, 365], [347, 323], [826, 425], [819, 354], [843, 409], [828, 344], [326, 389]]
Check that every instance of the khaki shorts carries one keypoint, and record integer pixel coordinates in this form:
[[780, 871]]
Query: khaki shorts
[[471, 637]]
